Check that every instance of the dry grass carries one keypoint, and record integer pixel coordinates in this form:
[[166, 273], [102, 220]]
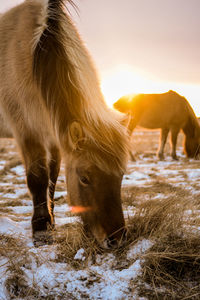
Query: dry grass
[[10, 164], [153, 218], [70, 239], [17, 285], [148, 142], [11, 203], [134, 195], [172, 268], [15, 252]]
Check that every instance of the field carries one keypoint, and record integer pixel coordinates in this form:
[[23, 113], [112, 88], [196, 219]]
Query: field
[[160, 259]]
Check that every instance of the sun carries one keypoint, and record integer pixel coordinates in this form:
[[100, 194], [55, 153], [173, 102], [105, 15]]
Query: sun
[[124, 80]]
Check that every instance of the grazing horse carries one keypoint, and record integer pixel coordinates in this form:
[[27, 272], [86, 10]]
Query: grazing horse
[[4, 130], [51, 99], [168, 111]]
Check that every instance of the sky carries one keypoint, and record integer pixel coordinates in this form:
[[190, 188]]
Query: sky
[[142, 46]]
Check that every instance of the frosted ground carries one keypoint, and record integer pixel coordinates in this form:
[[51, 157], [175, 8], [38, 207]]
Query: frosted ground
[[43, 275]]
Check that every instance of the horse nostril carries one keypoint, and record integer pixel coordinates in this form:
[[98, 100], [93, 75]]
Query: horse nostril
[[111, 243]]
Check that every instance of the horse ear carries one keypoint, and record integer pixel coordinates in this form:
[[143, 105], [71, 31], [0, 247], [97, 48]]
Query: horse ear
[[76, 132]]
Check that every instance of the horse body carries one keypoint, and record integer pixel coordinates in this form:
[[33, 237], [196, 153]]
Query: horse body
[[50, 96], [168, 111]]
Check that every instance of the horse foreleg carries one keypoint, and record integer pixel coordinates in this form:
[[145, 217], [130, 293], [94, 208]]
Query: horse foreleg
[[54, 168], [174, 135], [131, 126], [163, 138], [37, 174]]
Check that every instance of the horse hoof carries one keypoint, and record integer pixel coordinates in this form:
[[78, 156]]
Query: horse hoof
[[175, 158], [160, 157], [132, 157], [42, 238]]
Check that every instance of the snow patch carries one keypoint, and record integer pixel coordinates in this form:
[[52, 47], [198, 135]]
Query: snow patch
[[60, 194], [139, 248], [134, 178], [18, 170], [80, 254], [193, 174], [7, 226]]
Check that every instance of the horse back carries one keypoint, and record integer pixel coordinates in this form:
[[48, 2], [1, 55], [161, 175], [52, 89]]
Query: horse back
[[159, 110], [17, 28], [20, 99]]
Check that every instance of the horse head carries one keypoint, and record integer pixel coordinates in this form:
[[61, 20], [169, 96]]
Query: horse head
[[192, 147], [94, 193]]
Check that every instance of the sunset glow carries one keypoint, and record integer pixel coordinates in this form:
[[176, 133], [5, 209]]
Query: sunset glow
[[124, 80]]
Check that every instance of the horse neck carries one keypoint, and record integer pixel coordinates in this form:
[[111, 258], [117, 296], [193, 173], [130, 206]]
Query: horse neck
[[192, 127]]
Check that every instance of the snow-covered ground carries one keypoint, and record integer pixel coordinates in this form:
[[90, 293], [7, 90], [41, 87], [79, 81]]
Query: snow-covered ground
[[101, 278]]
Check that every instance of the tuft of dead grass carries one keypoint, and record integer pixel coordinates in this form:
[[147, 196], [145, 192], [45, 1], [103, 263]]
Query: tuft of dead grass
[[154, 218], [172, 268], [18, 288], [71, 238], [16, 284]]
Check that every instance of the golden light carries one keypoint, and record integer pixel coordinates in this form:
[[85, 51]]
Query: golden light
[[123, 80]]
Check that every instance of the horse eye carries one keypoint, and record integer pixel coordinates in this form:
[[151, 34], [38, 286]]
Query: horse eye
[[84, 180]]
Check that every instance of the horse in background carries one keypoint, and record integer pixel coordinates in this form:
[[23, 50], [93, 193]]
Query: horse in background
[[50, 96], [169, 112]]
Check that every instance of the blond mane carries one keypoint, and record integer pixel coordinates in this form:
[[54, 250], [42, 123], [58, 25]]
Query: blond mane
[[60, 51]]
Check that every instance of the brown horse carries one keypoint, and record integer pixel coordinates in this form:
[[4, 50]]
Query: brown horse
[[50, 96], [4, 130], [168, 111]]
